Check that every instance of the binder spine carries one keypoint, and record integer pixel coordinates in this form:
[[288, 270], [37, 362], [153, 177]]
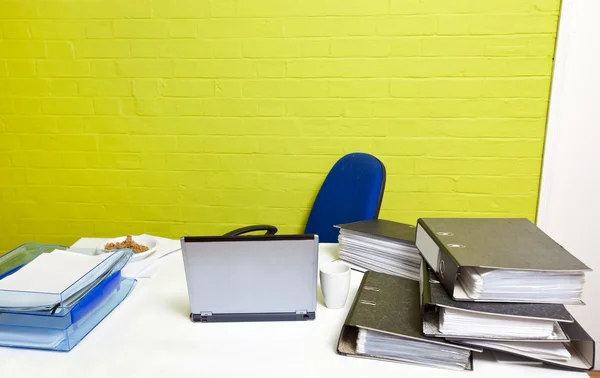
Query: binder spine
[[444, 265], [349, 332], [425, 287], [357, 299]]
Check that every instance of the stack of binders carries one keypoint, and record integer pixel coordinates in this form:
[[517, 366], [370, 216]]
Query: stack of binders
[[495, 284], [502, 285], [51, 299]]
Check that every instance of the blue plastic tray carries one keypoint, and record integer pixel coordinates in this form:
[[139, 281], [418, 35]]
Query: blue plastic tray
[[65, 314], [56, 339], [64, 320]]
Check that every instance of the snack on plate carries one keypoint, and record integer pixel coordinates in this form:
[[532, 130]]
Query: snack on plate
[[128, 243]]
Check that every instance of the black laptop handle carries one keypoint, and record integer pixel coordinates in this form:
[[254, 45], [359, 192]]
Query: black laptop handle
[[270, 230]]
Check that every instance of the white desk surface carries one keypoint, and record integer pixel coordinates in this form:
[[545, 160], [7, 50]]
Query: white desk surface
[[150, 335]]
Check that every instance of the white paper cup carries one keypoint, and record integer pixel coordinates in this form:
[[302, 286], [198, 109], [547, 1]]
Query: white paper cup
[[335, 284]]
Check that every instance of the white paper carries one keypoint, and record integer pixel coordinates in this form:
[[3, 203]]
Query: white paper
[[469, 324], [556, 351], [148, 267], [404, 349], [380, 255], [51, 272], [522, 285], [134, 269], [402, 271]]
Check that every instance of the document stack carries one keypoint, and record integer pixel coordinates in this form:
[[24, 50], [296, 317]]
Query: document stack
[[381, 246], [51, 298], [487, 284], [502, 285]]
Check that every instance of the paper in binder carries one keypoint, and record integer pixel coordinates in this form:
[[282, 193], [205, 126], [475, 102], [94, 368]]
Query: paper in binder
[[444, 317], [499, 260], [577, 354], [380, 245]]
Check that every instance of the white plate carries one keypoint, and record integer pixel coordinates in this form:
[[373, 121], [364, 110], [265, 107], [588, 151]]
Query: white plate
[[146, 240]]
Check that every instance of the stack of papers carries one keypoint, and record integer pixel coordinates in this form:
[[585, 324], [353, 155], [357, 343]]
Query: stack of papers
[[468, 324], [413, 351], [57, 279], [381, 246], [522, 285]]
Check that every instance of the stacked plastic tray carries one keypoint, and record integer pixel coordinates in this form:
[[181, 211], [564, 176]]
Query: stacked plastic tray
[[63, 329]]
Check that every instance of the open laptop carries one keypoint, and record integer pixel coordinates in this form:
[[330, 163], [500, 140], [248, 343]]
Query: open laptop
[[251, 278]]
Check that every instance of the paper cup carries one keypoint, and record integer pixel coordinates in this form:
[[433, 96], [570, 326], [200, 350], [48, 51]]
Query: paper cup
[[335, 284]]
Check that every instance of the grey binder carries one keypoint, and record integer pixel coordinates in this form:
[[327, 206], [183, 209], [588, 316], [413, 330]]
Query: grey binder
[[449, 245], [251, 278], [389, 304]]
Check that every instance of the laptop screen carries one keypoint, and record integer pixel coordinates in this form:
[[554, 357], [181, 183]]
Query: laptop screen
[[251, 274]]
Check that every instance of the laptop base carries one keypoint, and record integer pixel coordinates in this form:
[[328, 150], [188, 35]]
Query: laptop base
[[252, 317]]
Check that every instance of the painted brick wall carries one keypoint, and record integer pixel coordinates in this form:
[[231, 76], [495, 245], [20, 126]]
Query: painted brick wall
[[179, 117]]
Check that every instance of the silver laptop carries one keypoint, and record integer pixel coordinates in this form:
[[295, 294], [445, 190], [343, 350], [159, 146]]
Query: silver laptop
[[251, 278]]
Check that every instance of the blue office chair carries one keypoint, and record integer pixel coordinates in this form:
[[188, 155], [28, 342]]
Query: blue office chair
[[352, 191]]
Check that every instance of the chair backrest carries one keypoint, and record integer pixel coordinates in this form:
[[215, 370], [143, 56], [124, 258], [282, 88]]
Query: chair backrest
[[352, 191]]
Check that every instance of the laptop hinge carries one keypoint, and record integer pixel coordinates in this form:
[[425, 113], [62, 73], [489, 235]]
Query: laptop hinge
[[303, 315], [204, 316]]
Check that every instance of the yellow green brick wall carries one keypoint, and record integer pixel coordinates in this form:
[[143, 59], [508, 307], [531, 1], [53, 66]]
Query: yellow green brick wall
[[180, 117]]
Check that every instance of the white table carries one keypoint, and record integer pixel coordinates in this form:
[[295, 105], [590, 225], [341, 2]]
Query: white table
[[150, 335]]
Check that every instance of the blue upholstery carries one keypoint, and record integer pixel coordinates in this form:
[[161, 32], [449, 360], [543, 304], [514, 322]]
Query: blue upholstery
[[352, 191]]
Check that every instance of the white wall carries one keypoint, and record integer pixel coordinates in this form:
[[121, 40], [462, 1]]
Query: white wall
[[569, 207]]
